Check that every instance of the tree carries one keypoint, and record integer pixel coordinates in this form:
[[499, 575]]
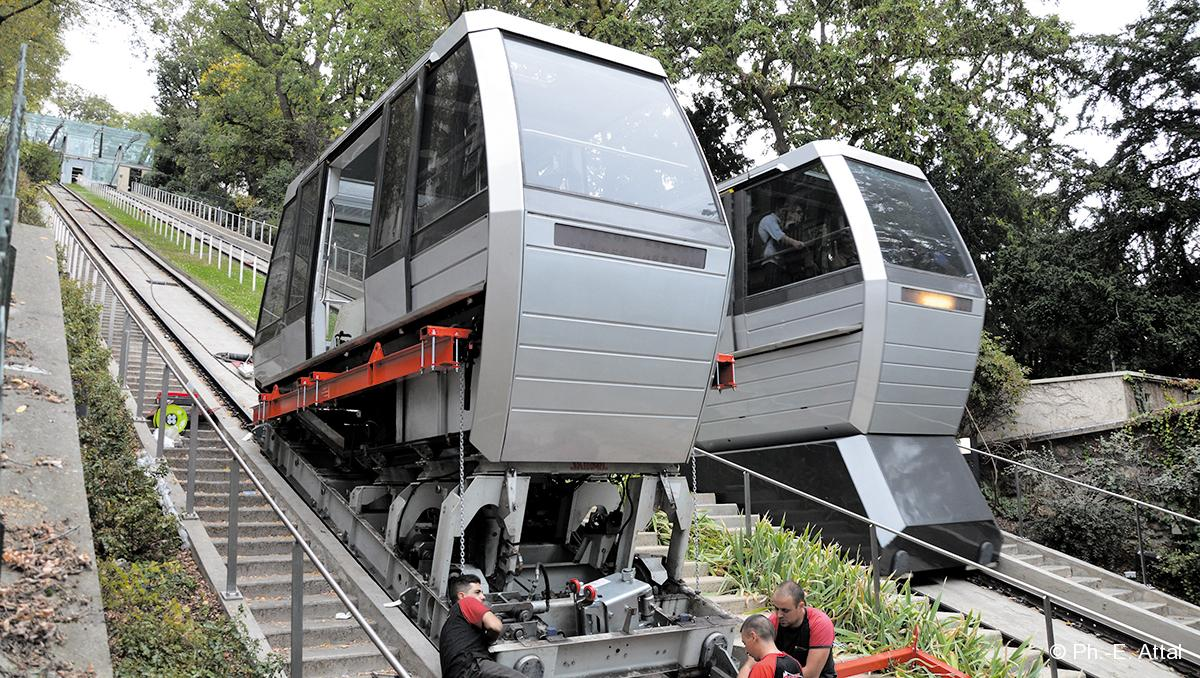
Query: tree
[[40, 26], [966, 91], [76, 103], [710, 119]]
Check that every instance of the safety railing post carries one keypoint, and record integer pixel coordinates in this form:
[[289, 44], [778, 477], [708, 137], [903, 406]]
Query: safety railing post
[[1020, 503], [189, 510], [141, 392], [112, 321], [231, 564], [162, 410], [1048, 613], [875, 564], [747, 510], [297, 636], [123, 364], [1137, 516]]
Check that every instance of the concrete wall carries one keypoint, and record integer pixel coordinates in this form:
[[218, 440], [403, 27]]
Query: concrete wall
[[1065, 406]]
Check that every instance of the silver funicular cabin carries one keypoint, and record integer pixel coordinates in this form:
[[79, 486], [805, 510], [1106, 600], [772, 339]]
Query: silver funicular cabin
[[855, 322], [545, 192]]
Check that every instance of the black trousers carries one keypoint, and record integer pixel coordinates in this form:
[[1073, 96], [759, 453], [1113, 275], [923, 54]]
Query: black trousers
[[486, 668]]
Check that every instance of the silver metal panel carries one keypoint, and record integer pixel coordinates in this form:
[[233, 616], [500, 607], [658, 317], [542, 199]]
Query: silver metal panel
[[596, 337], [911, 325], [910, 418], [921, 395], [506, 236], [593, 437], [584, 212], [819, 422], [606, 397], [873, 491], [466, 274], [822, 148], [847, 316], [385, 297], [895, 354], [543, 362], [924, 376], [293, 337], [793, 400], [452, 251]]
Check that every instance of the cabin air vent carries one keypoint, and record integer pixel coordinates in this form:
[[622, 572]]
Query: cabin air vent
[[629, 246]]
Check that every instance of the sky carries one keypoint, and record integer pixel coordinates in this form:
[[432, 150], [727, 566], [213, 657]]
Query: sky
[[104, 59]]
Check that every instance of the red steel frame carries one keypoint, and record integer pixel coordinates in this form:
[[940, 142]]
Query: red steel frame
[[885, 660], [438, 349]]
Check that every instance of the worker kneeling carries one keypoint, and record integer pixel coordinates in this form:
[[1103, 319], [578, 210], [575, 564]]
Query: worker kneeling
[[468, 631], [758, 635], [803, 633]]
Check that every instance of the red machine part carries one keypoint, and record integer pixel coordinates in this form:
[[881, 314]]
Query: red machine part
[[723, 379], [440, 348], [886, 660]]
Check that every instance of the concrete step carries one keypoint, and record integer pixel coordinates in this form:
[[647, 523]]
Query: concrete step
[[1030, 661], [351, 659], [737, 604], [645, 539], [992, 636], [259, 546], [714, 510], [1029, 558], [220, 473], [735, 522], [1090, 582], [708, 583], [1118, 593], [277, 586], [1151, 606], [270, 565], [949, 618], [316, 633], [1063, 571], [320, 607], [256, 514], [705, 498], [222, 499], [1190, 622], [248, 530]]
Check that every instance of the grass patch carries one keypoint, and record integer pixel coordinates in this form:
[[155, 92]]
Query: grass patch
[[755, 564], [215, 280], [162, 620]]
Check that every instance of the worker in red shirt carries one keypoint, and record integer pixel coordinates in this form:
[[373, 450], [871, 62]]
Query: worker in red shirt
[[758, 635], [464, 640], [803, 632]]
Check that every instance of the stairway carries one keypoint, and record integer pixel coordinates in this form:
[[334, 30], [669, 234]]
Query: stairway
[[332, 647]]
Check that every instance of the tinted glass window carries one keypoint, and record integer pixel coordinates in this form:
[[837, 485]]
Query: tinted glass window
[[306, 225], [275, 293], [914, 228], [796, 230], [452, 165], [605, 132], [394, 188]]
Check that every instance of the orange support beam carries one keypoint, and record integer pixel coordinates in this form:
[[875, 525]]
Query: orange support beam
[[723, 379], [439, 349]]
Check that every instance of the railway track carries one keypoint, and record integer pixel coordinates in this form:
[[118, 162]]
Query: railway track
[[199, 327]]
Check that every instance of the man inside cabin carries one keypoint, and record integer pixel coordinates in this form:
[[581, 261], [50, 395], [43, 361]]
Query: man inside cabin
[[803, 632], [468, 631], [758, 636]]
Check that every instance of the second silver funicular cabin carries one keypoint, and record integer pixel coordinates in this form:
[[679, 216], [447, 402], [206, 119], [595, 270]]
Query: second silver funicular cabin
[[539, 200]]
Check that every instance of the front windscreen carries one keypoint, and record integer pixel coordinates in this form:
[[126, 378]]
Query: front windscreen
[[913, 227], [605, 132]]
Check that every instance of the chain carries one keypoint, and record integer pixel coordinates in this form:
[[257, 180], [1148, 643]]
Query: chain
[[695, 523], [462, 470]]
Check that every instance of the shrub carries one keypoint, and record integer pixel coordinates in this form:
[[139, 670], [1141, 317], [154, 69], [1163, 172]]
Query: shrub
[[127, 520], [999, 383], [160, 624]]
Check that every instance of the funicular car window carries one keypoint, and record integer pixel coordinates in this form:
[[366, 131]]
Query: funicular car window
[[633, 149], [306, 225], [796, 229], [913, 227], [275, 295], [452, 162], [394, 187]]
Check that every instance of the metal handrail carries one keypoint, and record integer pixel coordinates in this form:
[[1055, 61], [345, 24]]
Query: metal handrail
[[107, 272], [1046, 596], [1082, 484]]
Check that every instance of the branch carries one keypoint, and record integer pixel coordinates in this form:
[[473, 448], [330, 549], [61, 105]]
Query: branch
[[31, 5]]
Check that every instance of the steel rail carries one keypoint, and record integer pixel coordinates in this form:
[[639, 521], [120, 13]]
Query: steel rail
[[1092, 615], [1079, 483], [107, 270]]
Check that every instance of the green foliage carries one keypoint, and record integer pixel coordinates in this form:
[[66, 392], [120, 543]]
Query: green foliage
[[41, 26], [216, 280], [76, 103], [161, 625], [39, 162], [997, 389], [127, 521], [756, 563], [710, 119]]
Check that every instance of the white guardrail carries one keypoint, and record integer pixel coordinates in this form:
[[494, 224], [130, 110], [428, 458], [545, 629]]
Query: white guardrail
[[238, 223], [195, 240]]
